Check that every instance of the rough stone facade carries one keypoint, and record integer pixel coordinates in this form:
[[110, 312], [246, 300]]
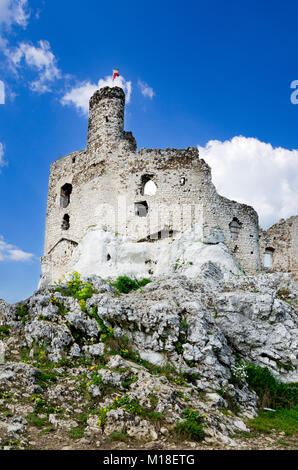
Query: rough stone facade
[[106, 184], [279, 247]]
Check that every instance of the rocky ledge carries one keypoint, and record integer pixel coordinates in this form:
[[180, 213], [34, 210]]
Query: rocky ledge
[[94, 362]]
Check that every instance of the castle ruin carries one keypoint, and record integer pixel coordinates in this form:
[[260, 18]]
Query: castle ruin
[[279, 247], [144, 195]]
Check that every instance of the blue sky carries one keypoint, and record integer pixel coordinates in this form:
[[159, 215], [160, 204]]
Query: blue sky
[[215, 74]]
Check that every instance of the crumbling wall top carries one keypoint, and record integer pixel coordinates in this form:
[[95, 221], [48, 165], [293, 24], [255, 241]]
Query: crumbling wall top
[[107, 92]]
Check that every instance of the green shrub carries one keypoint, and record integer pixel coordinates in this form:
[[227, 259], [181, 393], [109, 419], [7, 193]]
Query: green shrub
[[125, 285], [76, 288], [131, 406], [23, 312], [4, 331], [179, 348], [272, 394], [130, 380], [190, 377], [153, 400], [192, 427], [45, 378]]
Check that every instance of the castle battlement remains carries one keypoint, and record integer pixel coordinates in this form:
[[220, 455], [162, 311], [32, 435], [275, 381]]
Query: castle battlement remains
[[144, 195]]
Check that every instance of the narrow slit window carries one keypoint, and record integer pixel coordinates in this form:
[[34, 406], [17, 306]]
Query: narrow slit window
[[235, 227], [65, 222], [65, 193]]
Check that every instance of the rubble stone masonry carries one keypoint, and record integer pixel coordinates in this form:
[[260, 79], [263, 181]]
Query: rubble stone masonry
[[279, 244]]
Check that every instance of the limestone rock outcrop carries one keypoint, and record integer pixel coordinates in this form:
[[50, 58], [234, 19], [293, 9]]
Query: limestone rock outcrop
[[175, 337]]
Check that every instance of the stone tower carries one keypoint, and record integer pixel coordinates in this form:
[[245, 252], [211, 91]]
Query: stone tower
[[144, 195], [106, 117]]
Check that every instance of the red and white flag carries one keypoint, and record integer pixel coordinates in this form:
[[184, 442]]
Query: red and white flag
[[115, 73]]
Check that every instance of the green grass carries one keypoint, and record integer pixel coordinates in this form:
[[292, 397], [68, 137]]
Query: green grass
[[272, 394], [155, 416], [277, 395], [37, 421], [77, 432], [119, 436], [283, 420]]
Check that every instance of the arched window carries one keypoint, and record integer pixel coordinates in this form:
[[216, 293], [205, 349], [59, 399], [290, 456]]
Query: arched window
[[146, 188], [268, 257], [235, 227], [150, 188], [65, 222], [65, 195]]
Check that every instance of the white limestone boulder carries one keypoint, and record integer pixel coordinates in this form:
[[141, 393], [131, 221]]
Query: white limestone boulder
[[105, 254]]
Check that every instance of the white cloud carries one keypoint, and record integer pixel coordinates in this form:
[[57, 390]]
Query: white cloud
[[253, 172], [119, 81], [14, 12], [146, 90], [38, 58], [2, 92], [12, 253], [79, 96]]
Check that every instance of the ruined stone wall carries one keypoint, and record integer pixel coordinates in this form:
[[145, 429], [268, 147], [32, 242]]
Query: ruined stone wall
[[243, 238], [107, 182], [280, 243]]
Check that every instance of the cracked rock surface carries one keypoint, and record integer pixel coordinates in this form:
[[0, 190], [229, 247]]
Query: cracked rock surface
[[131, 364]]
